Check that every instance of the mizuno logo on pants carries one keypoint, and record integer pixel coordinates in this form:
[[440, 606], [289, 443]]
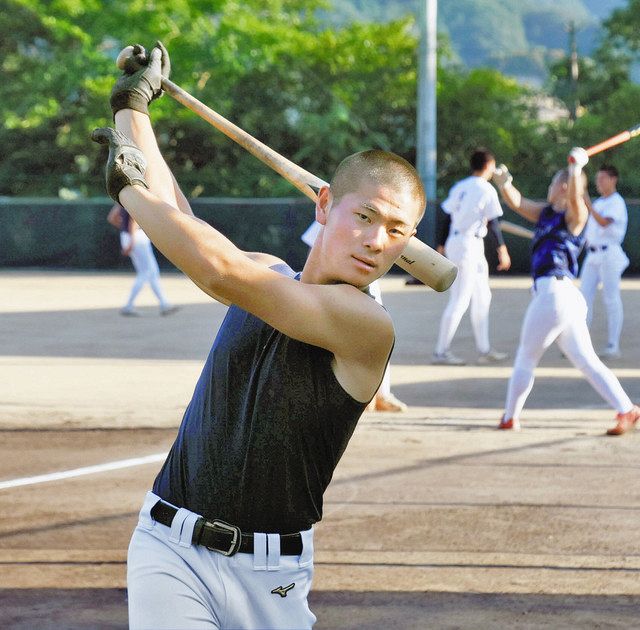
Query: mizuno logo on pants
[[283, 590]]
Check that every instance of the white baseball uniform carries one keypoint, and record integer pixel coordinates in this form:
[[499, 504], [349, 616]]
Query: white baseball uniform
[[144, 262], [471, 203], [605, 262]]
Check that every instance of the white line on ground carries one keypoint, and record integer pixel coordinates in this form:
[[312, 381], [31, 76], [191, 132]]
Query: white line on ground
[[79, 472]]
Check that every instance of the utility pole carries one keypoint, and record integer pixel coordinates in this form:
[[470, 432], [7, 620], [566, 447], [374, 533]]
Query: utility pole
[[573, 72], [426, 157]]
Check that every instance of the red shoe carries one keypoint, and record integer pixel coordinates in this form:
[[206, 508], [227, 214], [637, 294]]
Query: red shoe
[[626, 421], [389, 403], [512, 424]]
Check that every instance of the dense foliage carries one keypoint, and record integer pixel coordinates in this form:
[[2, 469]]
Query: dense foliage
[[312, 92]]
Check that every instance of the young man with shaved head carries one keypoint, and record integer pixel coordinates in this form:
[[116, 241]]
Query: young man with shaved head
[[225, 538]]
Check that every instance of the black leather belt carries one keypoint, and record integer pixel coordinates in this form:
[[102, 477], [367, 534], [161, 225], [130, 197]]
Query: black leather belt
[[557, 276], [596, 248], [458, 232], [222, 537]]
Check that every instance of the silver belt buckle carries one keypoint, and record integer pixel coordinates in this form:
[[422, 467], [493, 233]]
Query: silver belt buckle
[[235, 541]]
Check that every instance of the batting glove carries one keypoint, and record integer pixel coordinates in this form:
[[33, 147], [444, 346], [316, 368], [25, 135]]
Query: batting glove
[[141, 81], [126, 164], [578, 158], [502, 176]]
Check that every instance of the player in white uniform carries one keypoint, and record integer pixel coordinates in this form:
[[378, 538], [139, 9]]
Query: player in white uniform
[[472, 206], [605, 260], [384, 400], [558, 311]]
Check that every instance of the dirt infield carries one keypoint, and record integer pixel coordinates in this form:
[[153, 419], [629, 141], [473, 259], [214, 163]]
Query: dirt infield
[[434, 519]]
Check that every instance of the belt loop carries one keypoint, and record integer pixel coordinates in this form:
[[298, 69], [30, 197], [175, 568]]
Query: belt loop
[[273, 555], [186, 535], [176, 525], [259, 552], [306, 557], [145, 513]]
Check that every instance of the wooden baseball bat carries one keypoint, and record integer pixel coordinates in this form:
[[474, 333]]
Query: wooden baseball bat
[[418, 259], [516, 230], [619, 138]]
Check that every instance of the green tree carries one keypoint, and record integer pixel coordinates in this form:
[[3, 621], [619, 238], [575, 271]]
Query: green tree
[[607, 95]]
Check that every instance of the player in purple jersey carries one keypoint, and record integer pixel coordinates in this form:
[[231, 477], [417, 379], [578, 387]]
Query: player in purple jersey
[[558, 311]]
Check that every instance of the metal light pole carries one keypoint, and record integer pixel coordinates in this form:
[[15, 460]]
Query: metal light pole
[[573, 72], [426, 128]]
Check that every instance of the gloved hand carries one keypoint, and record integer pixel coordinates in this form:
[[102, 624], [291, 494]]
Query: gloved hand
[[578, 158], [125, 165], [141, 81], [502, 176], [136, 59]]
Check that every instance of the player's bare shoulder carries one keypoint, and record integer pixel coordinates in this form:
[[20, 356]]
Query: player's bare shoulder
[[366, 337]]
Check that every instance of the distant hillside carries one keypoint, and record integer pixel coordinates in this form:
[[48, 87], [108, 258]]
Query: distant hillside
[[518, 37]]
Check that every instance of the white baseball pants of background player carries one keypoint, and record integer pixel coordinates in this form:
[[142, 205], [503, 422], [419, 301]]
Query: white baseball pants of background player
[[470, 286], [146, 266], [605, 266], [175, 584], [385, 386], [558, 311]]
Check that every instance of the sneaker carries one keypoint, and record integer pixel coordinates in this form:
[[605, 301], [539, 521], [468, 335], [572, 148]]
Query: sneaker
[[446, 358], [512, 424], [610, 352], [389, 403], [168, 310], [129, 312], [625, 421], [493, 356]]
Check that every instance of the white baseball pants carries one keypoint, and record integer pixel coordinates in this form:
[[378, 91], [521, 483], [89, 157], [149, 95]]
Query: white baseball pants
[[174, 584], [146, 266], [605, 266], [558, 312], [470, 286]]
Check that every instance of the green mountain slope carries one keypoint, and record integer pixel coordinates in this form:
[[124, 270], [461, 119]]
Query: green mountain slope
[[517, 37]]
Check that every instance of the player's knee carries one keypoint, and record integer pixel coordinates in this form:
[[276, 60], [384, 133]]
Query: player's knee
[[612, 301]]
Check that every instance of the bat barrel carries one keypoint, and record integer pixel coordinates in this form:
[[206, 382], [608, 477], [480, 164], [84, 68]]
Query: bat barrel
[[610, 142]]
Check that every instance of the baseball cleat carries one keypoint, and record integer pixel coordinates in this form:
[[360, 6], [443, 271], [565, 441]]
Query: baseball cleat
[[610, 352], [446, 358], [493, 356], [625, 421], [512, 424], [169, 310], [390, 403]]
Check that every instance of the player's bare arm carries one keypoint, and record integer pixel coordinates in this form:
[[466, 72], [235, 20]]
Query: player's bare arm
[[577, 212], [340, 318], [332, 317], [526, 208]]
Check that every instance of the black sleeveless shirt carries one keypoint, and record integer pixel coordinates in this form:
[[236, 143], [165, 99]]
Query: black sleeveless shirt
[[264, 431]]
